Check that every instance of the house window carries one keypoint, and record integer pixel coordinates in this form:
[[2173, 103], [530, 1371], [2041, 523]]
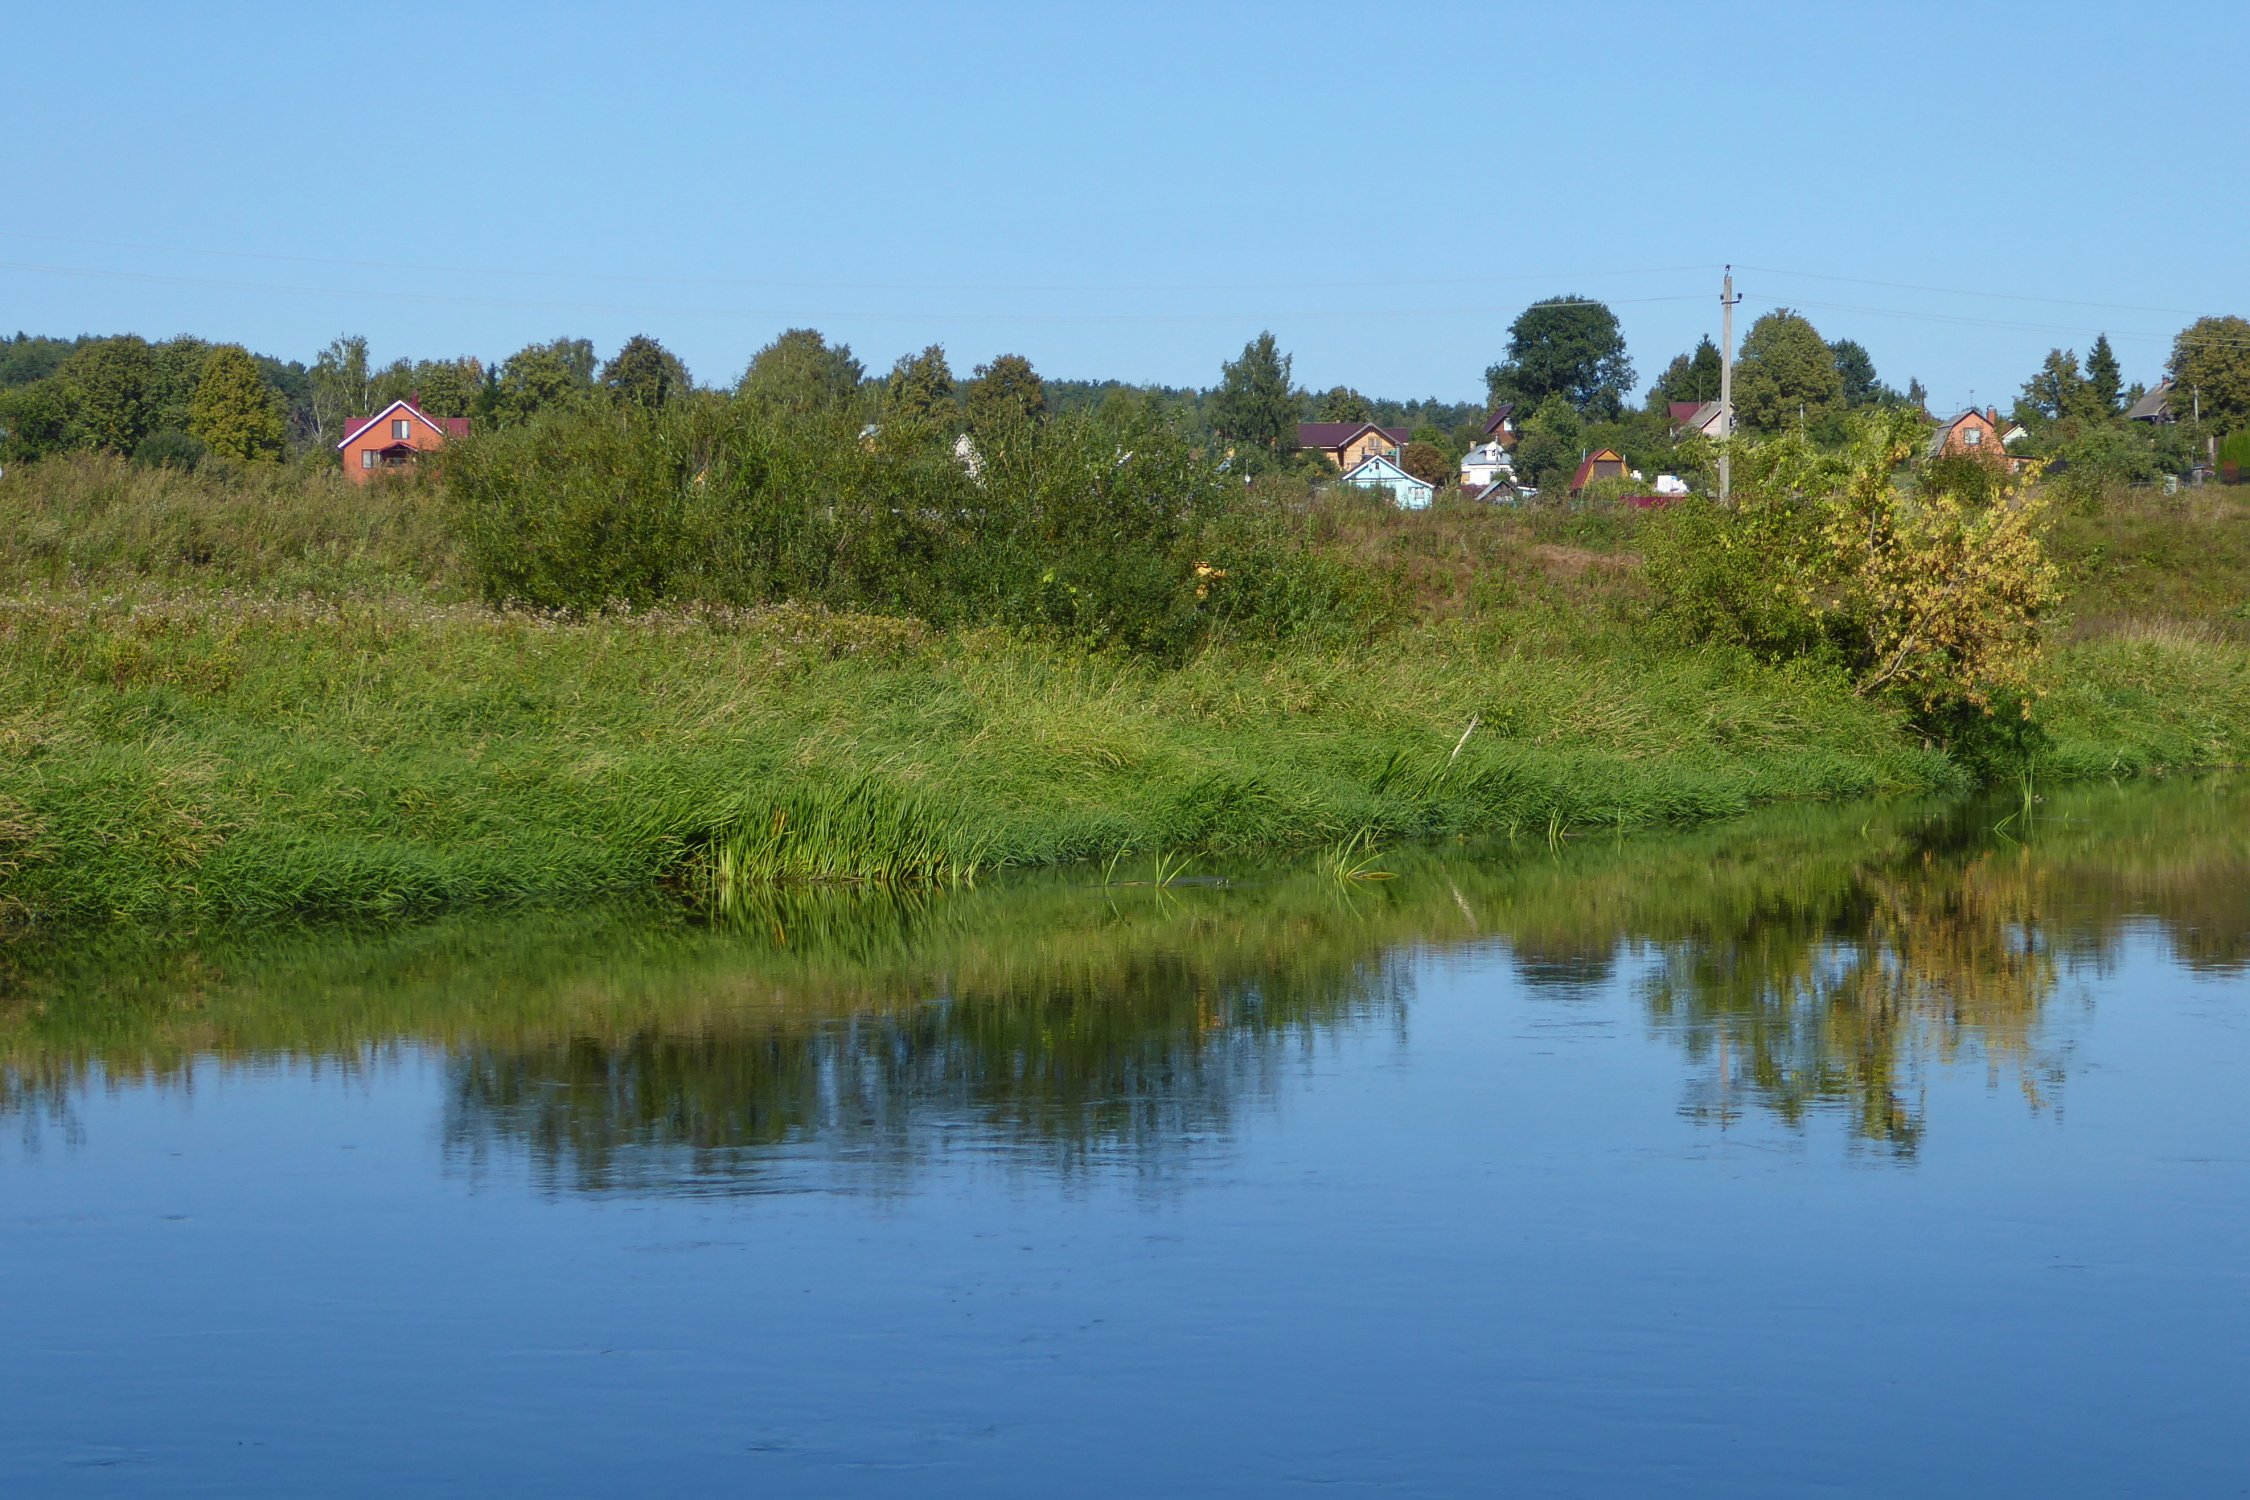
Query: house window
[[400, 429], [367, 458], [1974, 437]]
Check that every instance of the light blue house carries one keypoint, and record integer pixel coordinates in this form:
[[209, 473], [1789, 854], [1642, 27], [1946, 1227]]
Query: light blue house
[[1406, 492]]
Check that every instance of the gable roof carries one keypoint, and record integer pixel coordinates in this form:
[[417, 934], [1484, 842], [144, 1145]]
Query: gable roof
[[445, 427], [1500, 415], [1683, 412], [2154, 406], [1337, 434], [1585, 474], [1387, 470], [1950, 425]]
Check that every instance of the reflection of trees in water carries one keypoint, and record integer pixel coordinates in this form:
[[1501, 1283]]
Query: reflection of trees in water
[[1918, 962], [1807, 962], [1140, 1065]]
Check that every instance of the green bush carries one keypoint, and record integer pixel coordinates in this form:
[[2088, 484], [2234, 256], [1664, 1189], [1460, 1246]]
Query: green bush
[[1103, 530]]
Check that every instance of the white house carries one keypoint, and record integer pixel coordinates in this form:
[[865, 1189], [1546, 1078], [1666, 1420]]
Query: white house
[[1406, 492], [1486, 464]]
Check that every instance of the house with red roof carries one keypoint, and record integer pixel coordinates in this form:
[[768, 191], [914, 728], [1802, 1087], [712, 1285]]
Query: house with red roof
[[1347, 445], [1602, 463], [394, 438]]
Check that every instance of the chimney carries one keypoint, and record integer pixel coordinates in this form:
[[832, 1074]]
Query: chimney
[[1992, 415]]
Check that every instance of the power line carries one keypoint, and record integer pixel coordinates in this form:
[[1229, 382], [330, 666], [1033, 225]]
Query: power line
[[1965, 320], [519, 273], [1909, 286], [392, 294]]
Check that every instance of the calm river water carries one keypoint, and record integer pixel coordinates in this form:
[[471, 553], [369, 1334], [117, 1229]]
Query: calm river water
[[1897, 1151]]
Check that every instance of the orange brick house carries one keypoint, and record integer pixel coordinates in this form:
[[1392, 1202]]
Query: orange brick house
[[393, 438], [1347, 445], [1976, 434]]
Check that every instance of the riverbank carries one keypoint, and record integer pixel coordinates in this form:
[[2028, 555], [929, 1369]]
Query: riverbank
[[217, 705], [194, 756]]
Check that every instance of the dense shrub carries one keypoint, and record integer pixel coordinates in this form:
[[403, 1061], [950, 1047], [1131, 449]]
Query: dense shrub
[[1930, 596], [1103, 530]]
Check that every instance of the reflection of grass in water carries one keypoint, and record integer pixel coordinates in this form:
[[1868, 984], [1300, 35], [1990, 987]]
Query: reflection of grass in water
[[1813, 961]]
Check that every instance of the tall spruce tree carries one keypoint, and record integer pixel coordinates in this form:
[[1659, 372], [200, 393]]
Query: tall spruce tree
[[2104, 380]]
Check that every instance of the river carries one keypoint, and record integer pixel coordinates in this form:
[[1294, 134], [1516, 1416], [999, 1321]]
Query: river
[[1876, 1151]]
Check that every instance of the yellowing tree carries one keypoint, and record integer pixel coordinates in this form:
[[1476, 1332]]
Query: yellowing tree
[[1931, 595], [233, 410]]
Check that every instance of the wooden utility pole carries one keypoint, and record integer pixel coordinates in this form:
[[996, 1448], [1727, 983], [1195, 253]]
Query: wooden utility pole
[[1727, 300]]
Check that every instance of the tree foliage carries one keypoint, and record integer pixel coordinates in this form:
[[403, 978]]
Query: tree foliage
[[1567, 346], [539, 376], [340, 388], [1256, 409], [1855, 370], [1552, 442], [921, 389], [1930, 597], [235, 413], [1343, 404], [1689, 377], [107, 384], [1426, 462], [2211, 365], [644, 373], [1786, 375], [2104, 380], [1004, 396], [801, 373]]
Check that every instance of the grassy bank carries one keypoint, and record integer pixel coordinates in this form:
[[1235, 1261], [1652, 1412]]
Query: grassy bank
[[221, 704]]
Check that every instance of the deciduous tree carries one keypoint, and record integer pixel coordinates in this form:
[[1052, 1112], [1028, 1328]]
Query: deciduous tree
[[1005, 394], [2211, 366], [644, 373], [1426, 462], [109, 382], [1567, 346], [539, 376], [234, 412], [340, 388], [1786, 373], [1552, 442], [801, 373]]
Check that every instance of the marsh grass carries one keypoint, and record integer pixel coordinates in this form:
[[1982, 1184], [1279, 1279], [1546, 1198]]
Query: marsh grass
[[862, 832]]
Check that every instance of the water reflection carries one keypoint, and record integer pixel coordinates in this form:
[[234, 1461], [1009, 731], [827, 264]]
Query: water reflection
[[1805, 963]]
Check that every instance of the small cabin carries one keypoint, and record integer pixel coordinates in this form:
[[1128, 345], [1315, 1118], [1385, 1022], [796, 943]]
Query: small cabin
[[1601, 464], [394, 438], [1405, 491]]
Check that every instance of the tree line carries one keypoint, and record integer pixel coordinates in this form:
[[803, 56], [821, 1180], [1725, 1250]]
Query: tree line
[[1565, 369]]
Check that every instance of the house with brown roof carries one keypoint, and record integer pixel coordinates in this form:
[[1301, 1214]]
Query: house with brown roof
[[1347, 445], [394, 438], [1500, 427]]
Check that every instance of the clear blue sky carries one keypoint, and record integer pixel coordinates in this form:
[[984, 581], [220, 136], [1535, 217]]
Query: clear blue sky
[[1130, 190]]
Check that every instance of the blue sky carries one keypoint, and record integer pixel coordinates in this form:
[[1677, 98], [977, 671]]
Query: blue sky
[[1130, 190]]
